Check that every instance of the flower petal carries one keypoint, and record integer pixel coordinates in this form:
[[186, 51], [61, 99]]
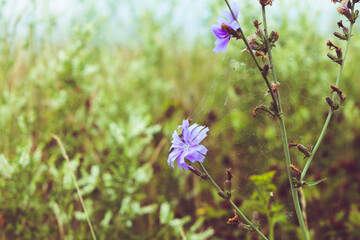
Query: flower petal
[[218, 32], [227, 13], [236, 9], [220, 21], [221, 45], [200, 136], [185, 124], [195, 156], [173, 156], [191, 128], [181, 162], [234, 25], [201, 149], [176, 142], [195, 132]]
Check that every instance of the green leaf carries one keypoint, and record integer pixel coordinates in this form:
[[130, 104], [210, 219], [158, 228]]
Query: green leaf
[[311, 184]]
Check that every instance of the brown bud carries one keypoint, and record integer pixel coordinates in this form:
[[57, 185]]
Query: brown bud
[[265, 69], [340, 24], [259, 54], [274, 88], [295, 171], [331, 45], [339, 53], [334, 106], [256, 109], [221, 194], [340, 36], [344, 9], [266, 2], [292, 145], [339, 92], [235, 220], [301, 148], [256, 23], [197, 172], [334, 58], [274, 36], [263, 108], [229, 174]]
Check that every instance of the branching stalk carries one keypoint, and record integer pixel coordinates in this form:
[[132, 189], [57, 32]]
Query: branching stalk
[[233, 204], [254, 58], [327, 121]]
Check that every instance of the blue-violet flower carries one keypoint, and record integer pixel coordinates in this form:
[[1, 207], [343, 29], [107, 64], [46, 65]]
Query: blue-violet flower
[[186, 145], [225, 28]]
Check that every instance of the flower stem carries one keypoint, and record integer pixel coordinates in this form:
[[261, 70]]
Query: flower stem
[[294, 193], [233, 204], [327, 121]]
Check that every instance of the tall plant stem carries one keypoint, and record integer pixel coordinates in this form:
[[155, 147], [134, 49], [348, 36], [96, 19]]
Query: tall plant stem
[[327, 121], [232, 203], [294, 193]]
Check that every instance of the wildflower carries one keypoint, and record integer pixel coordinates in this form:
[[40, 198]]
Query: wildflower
[[186, 145], [226, 28]]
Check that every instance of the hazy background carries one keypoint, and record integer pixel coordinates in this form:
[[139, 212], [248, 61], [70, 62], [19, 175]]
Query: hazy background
[[113, 79]]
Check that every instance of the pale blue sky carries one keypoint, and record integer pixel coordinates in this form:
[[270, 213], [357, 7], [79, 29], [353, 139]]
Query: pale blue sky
[[121, 19]]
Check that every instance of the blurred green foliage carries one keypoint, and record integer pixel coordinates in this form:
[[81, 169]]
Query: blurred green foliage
[[115, 108]]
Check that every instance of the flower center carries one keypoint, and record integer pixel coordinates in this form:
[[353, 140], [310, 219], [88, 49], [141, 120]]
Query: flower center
[[226, 28], [187, 147]]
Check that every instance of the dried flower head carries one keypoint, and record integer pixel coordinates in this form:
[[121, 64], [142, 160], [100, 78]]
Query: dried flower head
[[266, 2], [343, 9], [331, 45], [338, 91], [256, 23], [235, 220], [187, 145]]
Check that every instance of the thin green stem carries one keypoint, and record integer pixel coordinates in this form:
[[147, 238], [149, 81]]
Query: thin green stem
[[284, 138], [232, 203], [293, 190], [76, 185], [327, 121], [271, 62]]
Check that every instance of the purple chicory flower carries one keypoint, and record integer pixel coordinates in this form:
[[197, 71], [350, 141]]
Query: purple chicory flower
[[187, 145], [225, 28]]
